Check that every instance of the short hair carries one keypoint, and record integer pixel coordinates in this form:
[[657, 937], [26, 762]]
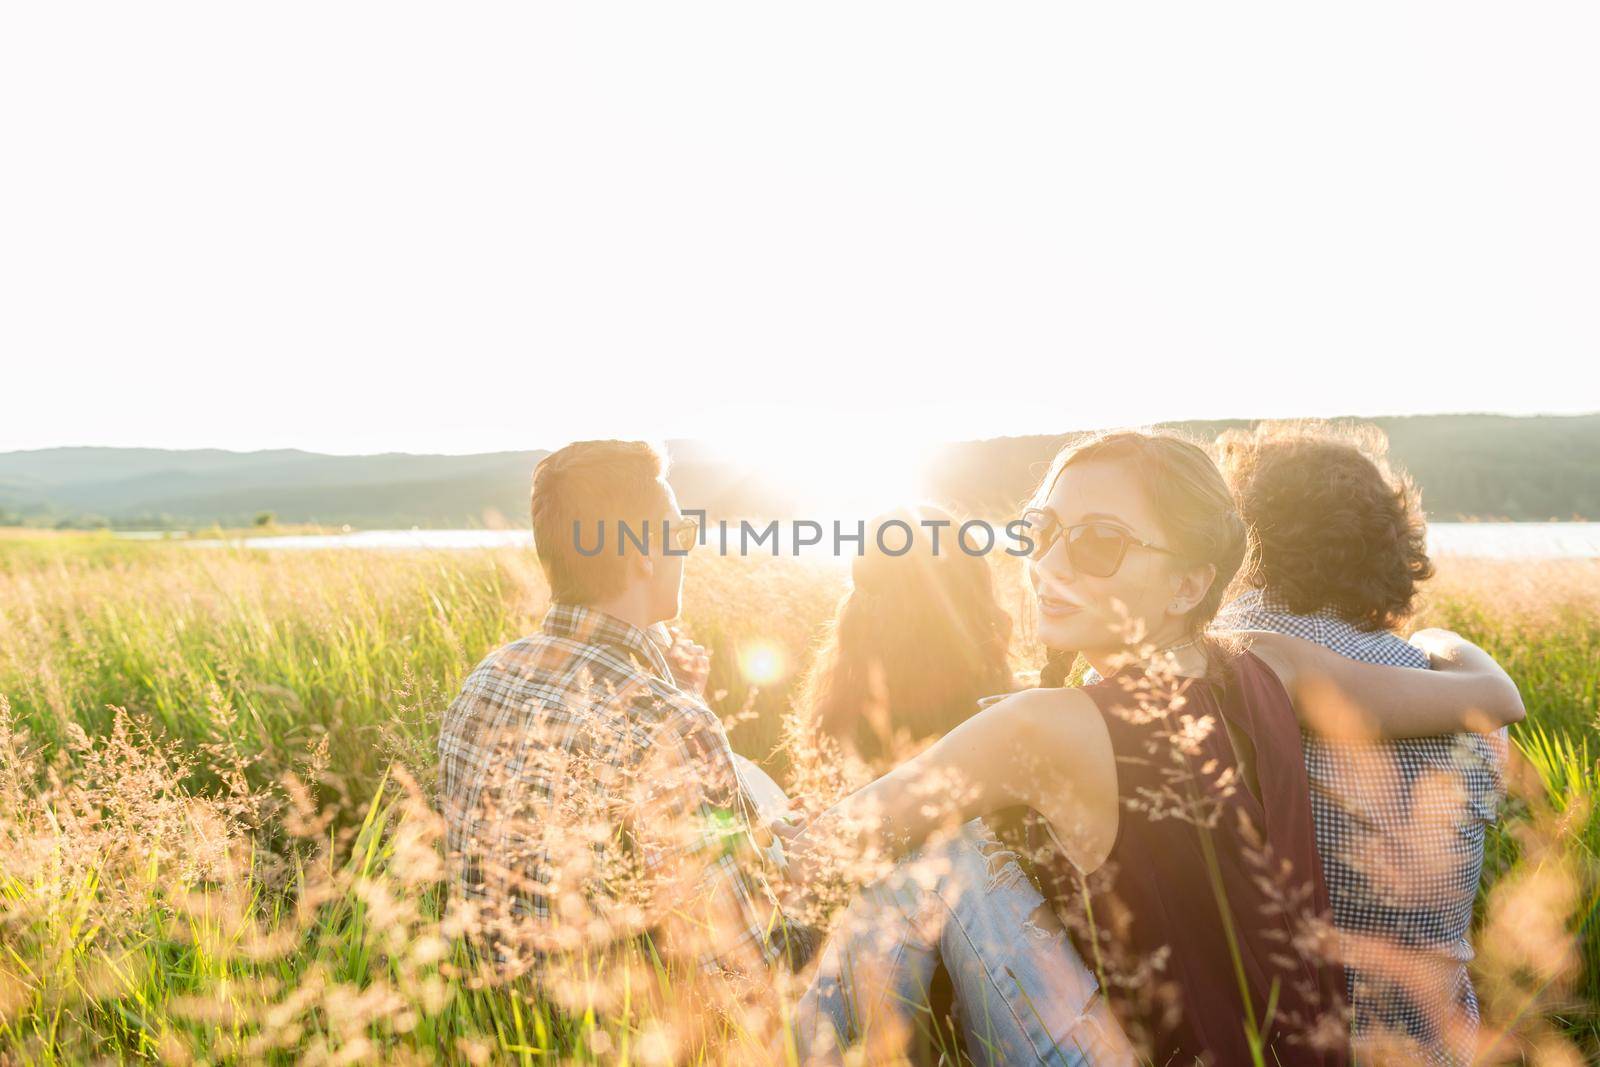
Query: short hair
[[578, 487], [1334, 526]]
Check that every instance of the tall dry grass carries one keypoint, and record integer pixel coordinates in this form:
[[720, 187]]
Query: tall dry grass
[[217, 841]]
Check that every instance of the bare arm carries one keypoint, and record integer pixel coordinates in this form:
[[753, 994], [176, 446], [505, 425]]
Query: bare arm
[[1344, 698], [1044, 748]]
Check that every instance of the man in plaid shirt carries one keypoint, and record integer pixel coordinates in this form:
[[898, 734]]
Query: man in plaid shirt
[[1340, 547], [588, 797]]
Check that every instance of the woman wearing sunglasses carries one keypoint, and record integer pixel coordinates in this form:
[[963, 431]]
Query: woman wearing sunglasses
[[1172, 818]]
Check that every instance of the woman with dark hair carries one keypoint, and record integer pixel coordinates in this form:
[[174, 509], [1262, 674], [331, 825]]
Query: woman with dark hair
[[1171, 795], [915, 643]]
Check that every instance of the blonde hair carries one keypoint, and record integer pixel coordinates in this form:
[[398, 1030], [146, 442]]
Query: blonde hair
[[576, 488], [1192, 503]]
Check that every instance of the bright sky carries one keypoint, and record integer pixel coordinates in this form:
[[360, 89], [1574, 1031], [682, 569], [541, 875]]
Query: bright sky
[[459, 227]]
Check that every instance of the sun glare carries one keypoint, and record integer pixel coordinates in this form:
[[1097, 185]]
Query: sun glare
[[762, 663], [847, 475]]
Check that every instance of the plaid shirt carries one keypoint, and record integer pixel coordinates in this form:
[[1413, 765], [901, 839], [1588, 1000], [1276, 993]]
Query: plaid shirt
[[579, 781], [1400, 829]]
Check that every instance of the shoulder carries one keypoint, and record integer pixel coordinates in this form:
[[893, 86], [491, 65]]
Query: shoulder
[[1054, 722], [511, 654], [1331, 632], [1260, 660], [681, 739], [1044, 703], [672, 707], [1262, 677], [540, 657], [1256, 614], [666, 718], [1270, 657], [1376, 646], [499, 672]]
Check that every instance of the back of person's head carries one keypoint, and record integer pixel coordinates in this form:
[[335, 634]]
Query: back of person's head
[[576, 488], [915, 642], [1335, 527]]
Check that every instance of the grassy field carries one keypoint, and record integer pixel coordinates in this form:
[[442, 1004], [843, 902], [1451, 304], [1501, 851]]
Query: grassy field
[[216, 842]]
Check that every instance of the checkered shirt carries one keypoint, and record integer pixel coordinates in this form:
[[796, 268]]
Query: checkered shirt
[[581, 727], [1400, 829]]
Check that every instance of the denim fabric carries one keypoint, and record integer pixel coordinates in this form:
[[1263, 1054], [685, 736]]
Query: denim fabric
[[1023, 995]]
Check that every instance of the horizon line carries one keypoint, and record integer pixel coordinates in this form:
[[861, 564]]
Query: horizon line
[[710, 439]]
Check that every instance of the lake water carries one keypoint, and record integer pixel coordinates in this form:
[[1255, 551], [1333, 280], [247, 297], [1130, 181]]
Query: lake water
[[1491, 540]]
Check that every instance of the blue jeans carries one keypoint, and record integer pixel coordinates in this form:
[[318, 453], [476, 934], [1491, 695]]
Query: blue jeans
[[1023, 995]]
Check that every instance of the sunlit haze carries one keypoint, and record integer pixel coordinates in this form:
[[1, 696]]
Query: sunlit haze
[[762, 663], [848, 472], [368, 227]]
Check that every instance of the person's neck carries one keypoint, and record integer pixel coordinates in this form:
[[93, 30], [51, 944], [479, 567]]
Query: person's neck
[[629, 607], [1178, 653]]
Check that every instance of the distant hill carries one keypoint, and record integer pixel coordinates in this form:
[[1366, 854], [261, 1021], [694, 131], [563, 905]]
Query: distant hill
[[1484, 466], [157, 488], [1468, 466]]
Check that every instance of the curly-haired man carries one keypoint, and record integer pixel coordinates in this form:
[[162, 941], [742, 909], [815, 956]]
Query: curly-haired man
[[1338, 550]]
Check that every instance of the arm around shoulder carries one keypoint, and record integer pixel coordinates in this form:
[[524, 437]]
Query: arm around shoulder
[[1335, 696]]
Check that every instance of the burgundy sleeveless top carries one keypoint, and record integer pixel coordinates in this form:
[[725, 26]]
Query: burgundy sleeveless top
[[1152, 921]]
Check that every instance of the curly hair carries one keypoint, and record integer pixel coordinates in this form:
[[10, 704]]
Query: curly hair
[[1334, 526]]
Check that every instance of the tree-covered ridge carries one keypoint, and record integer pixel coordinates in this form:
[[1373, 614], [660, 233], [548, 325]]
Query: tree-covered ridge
[[1533, 468], [1469, 466]]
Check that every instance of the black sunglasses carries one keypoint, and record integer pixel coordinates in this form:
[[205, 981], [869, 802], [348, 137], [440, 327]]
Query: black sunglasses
[[1093, 548]]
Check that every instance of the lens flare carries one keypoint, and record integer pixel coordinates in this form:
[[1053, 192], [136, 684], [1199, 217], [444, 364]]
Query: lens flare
[[762, 663]]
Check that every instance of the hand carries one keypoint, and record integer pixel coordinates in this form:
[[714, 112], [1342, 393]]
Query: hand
[[813, 851], [690, 662], [802, 860], [786, 834], [788, 828], [1444, 647], [822, 869]]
